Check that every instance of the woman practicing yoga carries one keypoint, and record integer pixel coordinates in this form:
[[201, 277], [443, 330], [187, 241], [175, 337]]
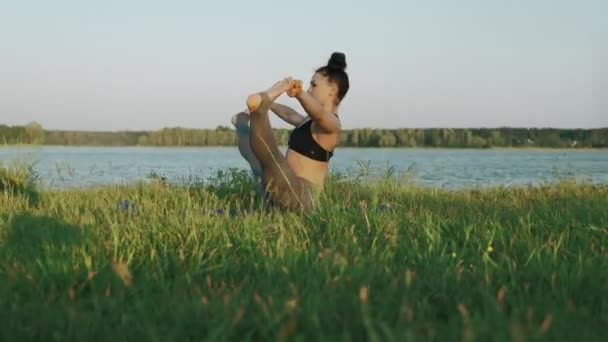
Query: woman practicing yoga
[[293, 181]]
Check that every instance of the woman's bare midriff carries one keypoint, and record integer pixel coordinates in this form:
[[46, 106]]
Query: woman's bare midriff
[[312, 170]]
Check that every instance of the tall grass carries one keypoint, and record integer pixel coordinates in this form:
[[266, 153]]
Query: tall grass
[[374, 262], [19, 179]]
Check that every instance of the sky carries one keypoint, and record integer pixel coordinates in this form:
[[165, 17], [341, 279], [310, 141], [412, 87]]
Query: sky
[[145, 65]]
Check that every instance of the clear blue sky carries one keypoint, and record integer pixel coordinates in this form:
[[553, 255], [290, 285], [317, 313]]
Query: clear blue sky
[[114, 65]]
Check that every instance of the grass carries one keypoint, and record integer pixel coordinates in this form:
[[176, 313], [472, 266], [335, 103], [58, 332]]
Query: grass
[[380, 262], [19, 179]]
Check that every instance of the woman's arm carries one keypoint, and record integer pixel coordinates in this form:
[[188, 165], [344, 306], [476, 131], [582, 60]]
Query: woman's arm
[[324, 119], [287, 114]]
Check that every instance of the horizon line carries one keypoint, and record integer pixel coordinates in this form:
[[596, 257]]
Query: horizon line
[[230, 127]]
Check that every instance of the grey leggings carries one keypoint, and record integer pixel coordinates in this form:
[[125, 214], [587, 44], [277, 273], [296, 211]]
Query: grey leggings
[[284, 189]]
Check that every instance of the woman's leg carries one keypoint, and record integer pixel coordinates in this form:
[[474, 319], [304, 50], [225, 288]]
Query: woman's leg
[[283, 187], [241, 124]]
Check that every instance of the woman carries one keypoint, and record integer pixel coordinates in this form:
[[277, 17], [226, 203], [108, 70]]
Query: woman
[[294, 180]]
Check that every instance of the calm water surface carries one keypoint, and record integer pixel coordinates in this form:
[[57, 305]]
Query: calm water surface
[[63, 167]]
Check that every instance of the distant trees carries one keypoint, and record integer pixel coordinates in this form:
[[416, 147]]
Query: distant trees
[[10, 135], [33, 133]]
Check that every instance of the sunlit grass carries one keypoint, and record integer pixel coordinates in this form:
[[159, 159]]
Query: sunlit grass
[[205, 260], [19, 179]]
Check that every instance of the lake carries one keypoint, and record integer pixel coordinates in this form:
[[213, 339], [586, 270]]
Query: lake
[[66, 167]]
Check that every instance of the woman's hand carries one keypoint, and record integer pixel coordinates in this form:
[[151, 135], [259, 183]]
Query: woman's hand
[[284, 84], [295, 88]]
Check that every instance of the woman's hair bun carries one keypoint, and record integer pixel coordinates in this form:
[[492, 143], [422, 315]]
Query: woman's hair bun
[[337, 61]]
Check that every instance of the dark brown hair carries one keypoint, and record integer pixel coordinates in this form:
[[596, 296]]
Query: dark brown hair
[[335, 71]]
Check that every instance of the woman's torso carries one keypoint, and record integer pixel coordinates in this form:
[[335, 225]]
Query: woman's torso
[[306, 167]]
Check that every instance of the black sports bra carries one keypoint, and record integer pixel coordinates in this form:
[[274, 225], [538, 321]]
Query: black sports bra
[[302, 141]]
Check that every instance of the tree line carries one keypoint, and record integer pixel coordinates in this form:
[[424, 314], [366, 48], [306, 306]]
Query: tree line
[[35, 134]]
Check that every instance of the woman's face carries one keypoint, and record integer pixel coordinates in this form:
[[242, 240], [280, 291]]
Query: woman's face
[[322, 90]]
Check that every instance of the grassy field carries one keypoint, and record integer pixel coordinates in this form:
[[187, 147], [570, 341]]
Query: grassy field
[[381, 262]]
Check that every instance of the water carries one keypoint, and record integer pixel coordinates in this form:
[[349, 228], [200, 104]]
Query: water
[[65, 167]]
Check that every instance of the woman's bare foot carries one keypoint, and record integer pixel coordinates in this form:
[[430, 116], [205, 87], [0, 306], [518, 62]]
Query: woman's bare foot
[[254, 102], [240, 119]]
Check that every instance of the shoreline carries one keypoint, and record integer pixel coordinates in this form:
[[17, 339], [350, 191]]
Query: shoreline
[[505, 148]]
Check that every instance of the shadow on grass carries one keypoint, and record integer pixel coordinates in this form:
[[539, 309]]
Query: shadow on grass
[[30, 238], [185, 301]]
